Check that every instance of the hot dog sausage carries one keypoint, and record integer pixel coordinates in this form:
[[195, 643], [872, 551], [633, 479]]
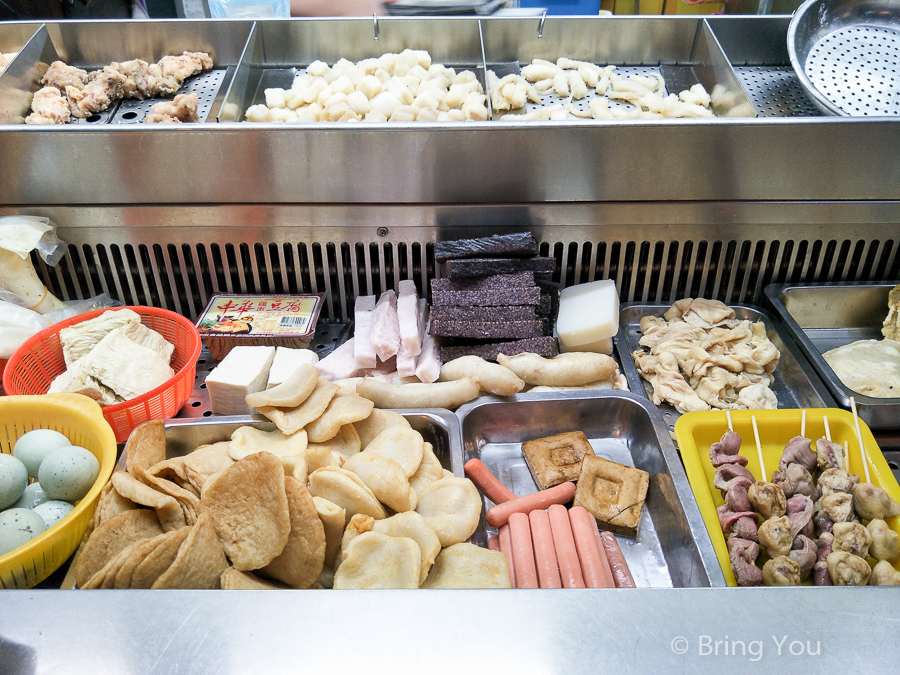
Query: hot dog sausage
[[590, 553], [523, 551], [544, 553], [506, 549], [617, 565], [564, 545], [487, 482], [561, 494], [494, 542]]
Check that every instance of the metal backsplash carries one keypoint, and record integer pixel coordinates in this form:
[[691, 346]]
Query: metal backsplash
[[177, 257]]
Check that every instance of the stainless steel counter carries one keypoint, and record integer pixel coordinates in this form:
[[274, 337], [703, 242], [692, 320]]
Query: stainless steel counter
[[831, 630]]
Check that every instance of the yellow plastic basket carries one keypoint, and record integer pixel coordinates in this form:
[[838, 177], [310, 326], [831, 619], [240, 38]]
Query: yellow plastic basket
[[81, 420], [696, 431]]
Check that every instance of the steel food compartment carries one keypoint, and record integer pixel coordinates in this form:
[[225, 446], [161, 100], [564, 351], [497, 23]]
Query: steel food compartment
[[672, 547], [683, 52], [277, 50], [796, 384], [827, 316], [95, 44]]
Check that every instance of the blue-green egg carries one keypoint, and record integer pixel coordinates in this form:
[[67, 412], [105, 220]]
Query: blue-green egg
[[13, 479], [34, 494], [34, 446], [53, 511], [18, 527], [67, 474]]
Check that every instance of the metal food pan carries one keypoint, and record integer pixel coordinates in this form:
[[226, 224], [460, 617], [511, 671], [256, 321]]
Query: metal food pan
[[684, 50], [277, 50], [672, 547], [438, 427], [826, 316], [796, 384], [93, 44]]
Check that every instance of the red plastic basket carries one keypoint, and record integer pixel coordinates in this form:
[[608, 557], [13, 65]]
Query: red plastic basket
[[36, 364]]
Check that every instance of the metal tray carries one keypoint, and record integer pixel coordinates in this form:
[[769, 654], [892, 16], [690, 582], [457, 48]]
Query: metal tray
[[796, 384], [672, 548], [438, 427], [92, 45], [823, 317]]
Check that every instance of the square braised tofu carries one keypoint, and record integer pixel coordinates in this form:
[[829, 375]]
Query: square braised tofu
[[556, 459], [613, 493]]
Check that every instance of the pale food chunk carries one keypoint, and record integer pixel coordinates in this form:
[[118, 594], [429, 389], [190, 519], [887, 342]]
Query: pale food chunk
[[468, 566], [452, 507], [375, 560]]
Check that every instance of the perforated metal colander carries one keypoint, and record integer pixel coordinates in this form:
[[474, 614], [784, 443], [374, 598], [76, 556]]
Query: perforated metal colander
[[847, 55]]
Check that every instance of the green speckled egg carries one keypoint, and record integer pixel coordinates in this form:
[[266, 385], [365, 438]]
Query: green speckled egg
[[53, 511], [67, 474], [13, 479], [17, 527], [34, 446], [34, 494]]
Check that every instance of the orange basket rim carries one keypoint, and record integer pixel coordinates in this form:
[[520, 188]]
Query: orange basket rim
[[27, 346]]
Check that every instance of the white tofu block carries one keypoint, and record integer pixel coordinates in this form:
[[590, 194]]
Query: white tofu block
[[243, 371], [588, 313], [287, 361], [363, 349], [604, 346]]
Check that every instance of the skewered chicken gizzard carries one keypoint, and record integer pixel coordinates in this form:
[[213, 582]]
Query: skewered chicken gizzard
[[806, 527]]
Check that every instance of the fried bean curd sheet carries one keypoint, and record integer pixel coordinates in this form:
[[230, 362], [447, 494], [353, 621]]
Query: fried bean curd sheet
[[451, 507], [292, 420], [168, 510], [159, 559], [404, 446], [113, 535], [319, 455], [375, 560], [300, 562], [109, 504], [188, 499], [468, 566], [249, 510], [235, 580], [412, 525], [290, 393], [129, 559], [200, 561], [296, 467], [345, 408], [146, 446], [246, 441], [377, 421], [345, 489], [385, 478], [207, 461]]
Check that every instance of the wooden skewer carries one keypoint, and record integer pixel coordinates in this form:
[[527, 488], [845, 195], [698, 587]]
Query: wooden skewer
[[762, 465], [728, 417], [862, 448], [827, 428], [803, 422]]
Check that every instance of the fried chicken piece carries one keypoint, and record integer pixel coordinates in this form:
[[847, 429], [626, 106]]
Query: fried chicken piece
[[49, 106], [144, 80], [183, 108], [104, 87], [180, 68], [60, 75]]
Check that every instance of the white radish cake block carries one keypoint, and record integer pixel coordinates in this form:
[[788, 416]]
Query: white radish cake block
[[363, 349], [406, 361], [603, 346], [286, 362], [243, 371], [386, 327], [341, 363], [408, 316], [588, 315]]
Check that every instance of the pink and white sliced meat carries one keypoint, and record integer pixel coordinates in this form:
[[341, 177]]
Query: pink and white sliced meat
[[386, 327], [743, 555], [428, 366], [727, 517], [363, 350], [340, 363], [800, 513], [745, 528], [726, 473], [798, 451], [406, 361], [737, 498], [408, 315], [726, 449]]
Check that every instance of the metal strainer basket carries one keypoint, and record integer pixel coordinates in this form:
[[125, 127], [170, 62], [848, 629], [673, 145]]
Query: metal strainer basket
[[847, 55]]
